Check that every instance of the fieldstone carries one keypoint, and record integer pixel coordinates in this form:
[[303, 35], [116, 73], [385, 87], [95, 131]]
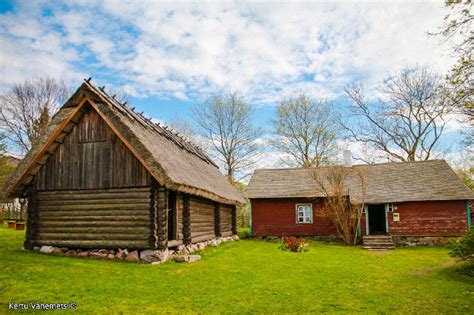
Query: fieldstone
[[83, 254], [64, 249], [187, 258], [97, 255], [201, 245], [36, 248], [181, 249], [46, 249], [57, 250], [235, 237], [192, 248], [110, 256], [120, 255], [133, 257], [70, 253], [103, 251], [150, 256]]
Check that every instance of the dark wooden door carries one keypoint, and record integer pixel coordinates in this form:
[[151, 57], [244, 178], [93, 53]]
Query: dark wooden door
[[377, 220], [172, 216]]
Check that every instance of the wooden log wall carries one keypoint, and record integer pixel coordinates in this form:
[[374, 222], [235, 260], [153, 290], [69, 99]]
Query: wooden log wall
[[234, 219], [202, 219], [217, 219], [153, 238], [186, 219], [32, 214], [226, 220], [91, 156], [162, 217], [102, 218], [179, 213]]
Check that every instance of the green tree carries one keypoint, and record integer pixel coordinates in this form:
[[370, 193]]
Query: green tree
[[7, 166], [457, 32], [226, 124], [306, 130], [243, 213], [466, 176]]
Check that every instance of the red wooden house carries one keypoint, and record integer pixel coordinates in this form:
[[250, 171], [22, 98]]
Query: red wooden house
[[410, 201]]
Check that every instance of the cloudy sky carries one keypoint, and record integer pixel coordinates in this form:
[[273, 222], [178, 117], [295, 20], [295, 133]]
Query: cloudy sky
[[168, 56]]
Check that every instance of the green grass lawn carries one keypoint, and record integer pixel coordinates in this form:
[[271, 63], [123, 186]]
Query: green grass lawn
[[242, 277]]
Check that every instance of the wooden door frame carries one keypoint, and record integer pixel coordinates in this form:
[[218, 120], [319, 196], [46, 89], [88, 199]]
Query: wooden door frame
[[366, 209]]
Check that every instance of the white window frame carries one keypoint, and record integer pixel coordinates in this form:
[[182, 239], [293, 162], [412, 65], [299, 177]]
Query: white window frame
[[389, 207], [305, 218]]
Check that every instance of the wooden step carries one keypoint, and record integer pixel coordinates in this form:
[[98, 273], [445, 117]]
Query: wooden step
[[378, 242]]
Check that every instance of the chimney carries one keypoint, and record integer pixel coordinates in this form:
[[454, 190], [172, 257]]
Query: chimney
[[347, 158]]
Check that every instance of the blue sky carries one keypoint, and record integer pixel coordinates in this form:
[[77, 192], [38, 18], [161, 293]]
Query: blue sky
[[169, 56]]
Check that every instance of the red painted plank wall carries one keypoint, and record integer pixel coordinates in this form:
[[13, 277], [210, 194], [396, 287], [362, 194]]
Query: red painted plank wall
[[277, 217], [430, 218]]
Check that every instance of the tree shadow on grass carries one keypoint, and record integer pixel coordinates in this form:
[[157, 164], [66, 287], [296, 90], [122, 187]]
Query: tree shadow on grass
[[461, 272]]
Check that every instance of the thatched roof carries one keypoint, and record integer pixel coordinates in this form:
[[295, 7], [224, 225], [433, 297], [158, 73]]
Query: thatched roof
[[387, 182], [174, 161]]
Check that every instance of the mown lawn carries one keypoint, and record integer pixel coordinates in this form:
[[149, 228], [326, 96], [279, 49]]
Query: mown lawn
[[242, 277]]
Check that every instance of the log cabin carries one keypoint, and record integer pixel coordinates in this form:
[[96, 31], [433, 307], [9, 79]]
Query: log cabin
[[411, 201], [104, 176]]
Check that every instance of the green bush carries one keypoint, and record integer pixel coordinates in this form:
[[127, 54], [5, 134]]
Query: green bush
[[243, 233], [464, 248]]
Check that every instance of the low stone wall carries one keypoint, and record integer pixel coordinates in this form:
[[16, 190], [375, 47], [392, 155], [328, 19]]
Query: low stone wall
[[180, 253], [404, 241]]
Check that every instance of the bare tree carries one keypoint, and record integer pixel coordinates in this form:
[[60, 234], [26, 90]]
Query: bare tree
[[26, 110], [307, 130], [343, 205], [183, 127], [406, 120], [226, 124]]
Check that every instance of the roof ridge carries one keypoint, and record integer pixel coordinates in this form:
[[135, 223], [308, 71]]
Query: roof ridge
[[172, 135], [356, 165]]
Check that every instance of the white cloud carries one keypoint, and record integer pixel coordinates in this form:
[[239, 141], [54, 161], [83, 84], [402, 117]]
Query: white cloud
[[265, 50]]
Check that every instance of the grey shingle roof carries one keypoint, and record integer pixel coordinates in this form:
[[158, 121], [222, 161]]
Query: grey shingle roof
[[387, 182]]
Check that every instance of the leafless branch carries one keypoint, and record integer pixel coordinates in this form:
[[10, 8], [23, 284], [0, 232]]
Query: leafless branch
[[26, 110]]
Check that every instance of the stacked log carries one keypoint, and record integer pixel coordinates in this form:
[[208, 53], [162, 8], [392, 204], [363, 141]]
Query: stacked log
[[104, 218]]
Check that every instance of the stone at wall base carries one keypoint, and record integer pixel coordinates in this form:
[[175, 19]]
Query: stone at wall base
[[404, 241], [187, 258]]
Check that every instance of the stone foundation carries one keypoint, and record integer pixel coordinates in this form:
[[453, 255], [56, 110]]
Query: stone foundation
[[404, 241], [146, 256]]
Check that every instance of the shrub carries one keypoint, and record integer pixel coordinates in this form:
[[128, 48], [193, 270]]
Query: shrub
[[464, 248], [294, 244], [243, 233]]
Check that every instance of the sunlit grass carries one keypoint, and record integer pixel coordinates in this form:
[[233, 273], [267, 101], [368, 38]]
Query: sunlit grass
[[241, 277]]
